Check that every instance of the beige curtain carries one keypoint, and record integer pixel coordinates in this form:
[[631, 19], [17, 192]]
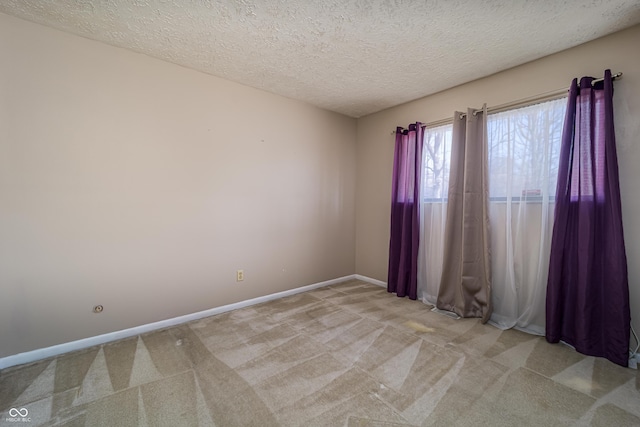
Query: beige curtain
[[465, 288]]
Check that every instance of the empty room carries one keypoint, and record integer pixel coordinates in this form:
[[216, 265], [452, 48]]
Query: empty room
[[329, 213]]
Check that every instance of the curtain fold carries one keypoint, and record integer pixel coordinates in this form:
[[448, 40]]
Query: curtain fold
[[587, 303], [405, 212], [465, 287]]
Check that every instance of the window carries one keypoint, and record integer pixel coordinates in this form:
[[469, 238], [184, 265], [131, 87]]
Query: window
[[523, 158], [524, 151], [437, 157]]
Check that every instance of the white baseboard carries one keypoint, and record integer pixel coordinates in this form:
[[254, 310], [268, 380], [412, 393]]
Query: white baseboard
[[370, 280], [43, 353]]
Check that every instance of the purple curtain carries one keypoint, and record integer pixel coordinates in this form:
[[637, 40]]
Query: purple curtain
[[405, 208], [587, 289]]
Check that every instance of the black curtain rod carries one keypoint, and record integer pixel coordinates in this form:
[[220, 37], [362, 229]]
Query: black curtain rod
[[548, 96], [613, 77]]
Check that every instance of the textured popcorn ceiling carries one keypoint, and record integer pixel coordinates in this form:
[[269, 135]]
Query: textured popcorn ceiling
[[351, 56]]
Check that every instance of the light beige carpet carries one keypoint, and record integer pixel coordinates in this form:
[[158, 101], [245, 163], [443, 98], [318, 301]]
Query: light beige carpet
[[344, 355]]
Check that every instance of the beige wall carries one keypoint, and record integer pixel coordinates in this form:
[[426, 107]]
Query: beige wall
[[619, 52], [143, 186]]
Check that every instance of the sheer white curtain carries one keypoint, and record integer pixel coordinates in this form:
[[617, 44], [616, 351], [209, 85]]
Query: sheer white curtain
[[524, 145], [523, 169], [435, 185]]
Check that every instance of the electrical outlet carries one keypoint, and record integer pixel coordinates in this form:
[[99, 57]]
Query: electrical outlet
[[239, 276]]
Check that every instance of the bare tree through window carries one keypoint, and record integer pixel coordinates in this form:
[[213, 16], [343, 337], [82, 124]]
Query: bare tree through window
[[524, 151], [437, 160]]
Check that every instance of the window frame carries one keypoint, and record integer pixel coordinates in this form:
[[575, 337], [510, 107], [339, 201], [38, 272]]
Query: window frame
[[533, 199]]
